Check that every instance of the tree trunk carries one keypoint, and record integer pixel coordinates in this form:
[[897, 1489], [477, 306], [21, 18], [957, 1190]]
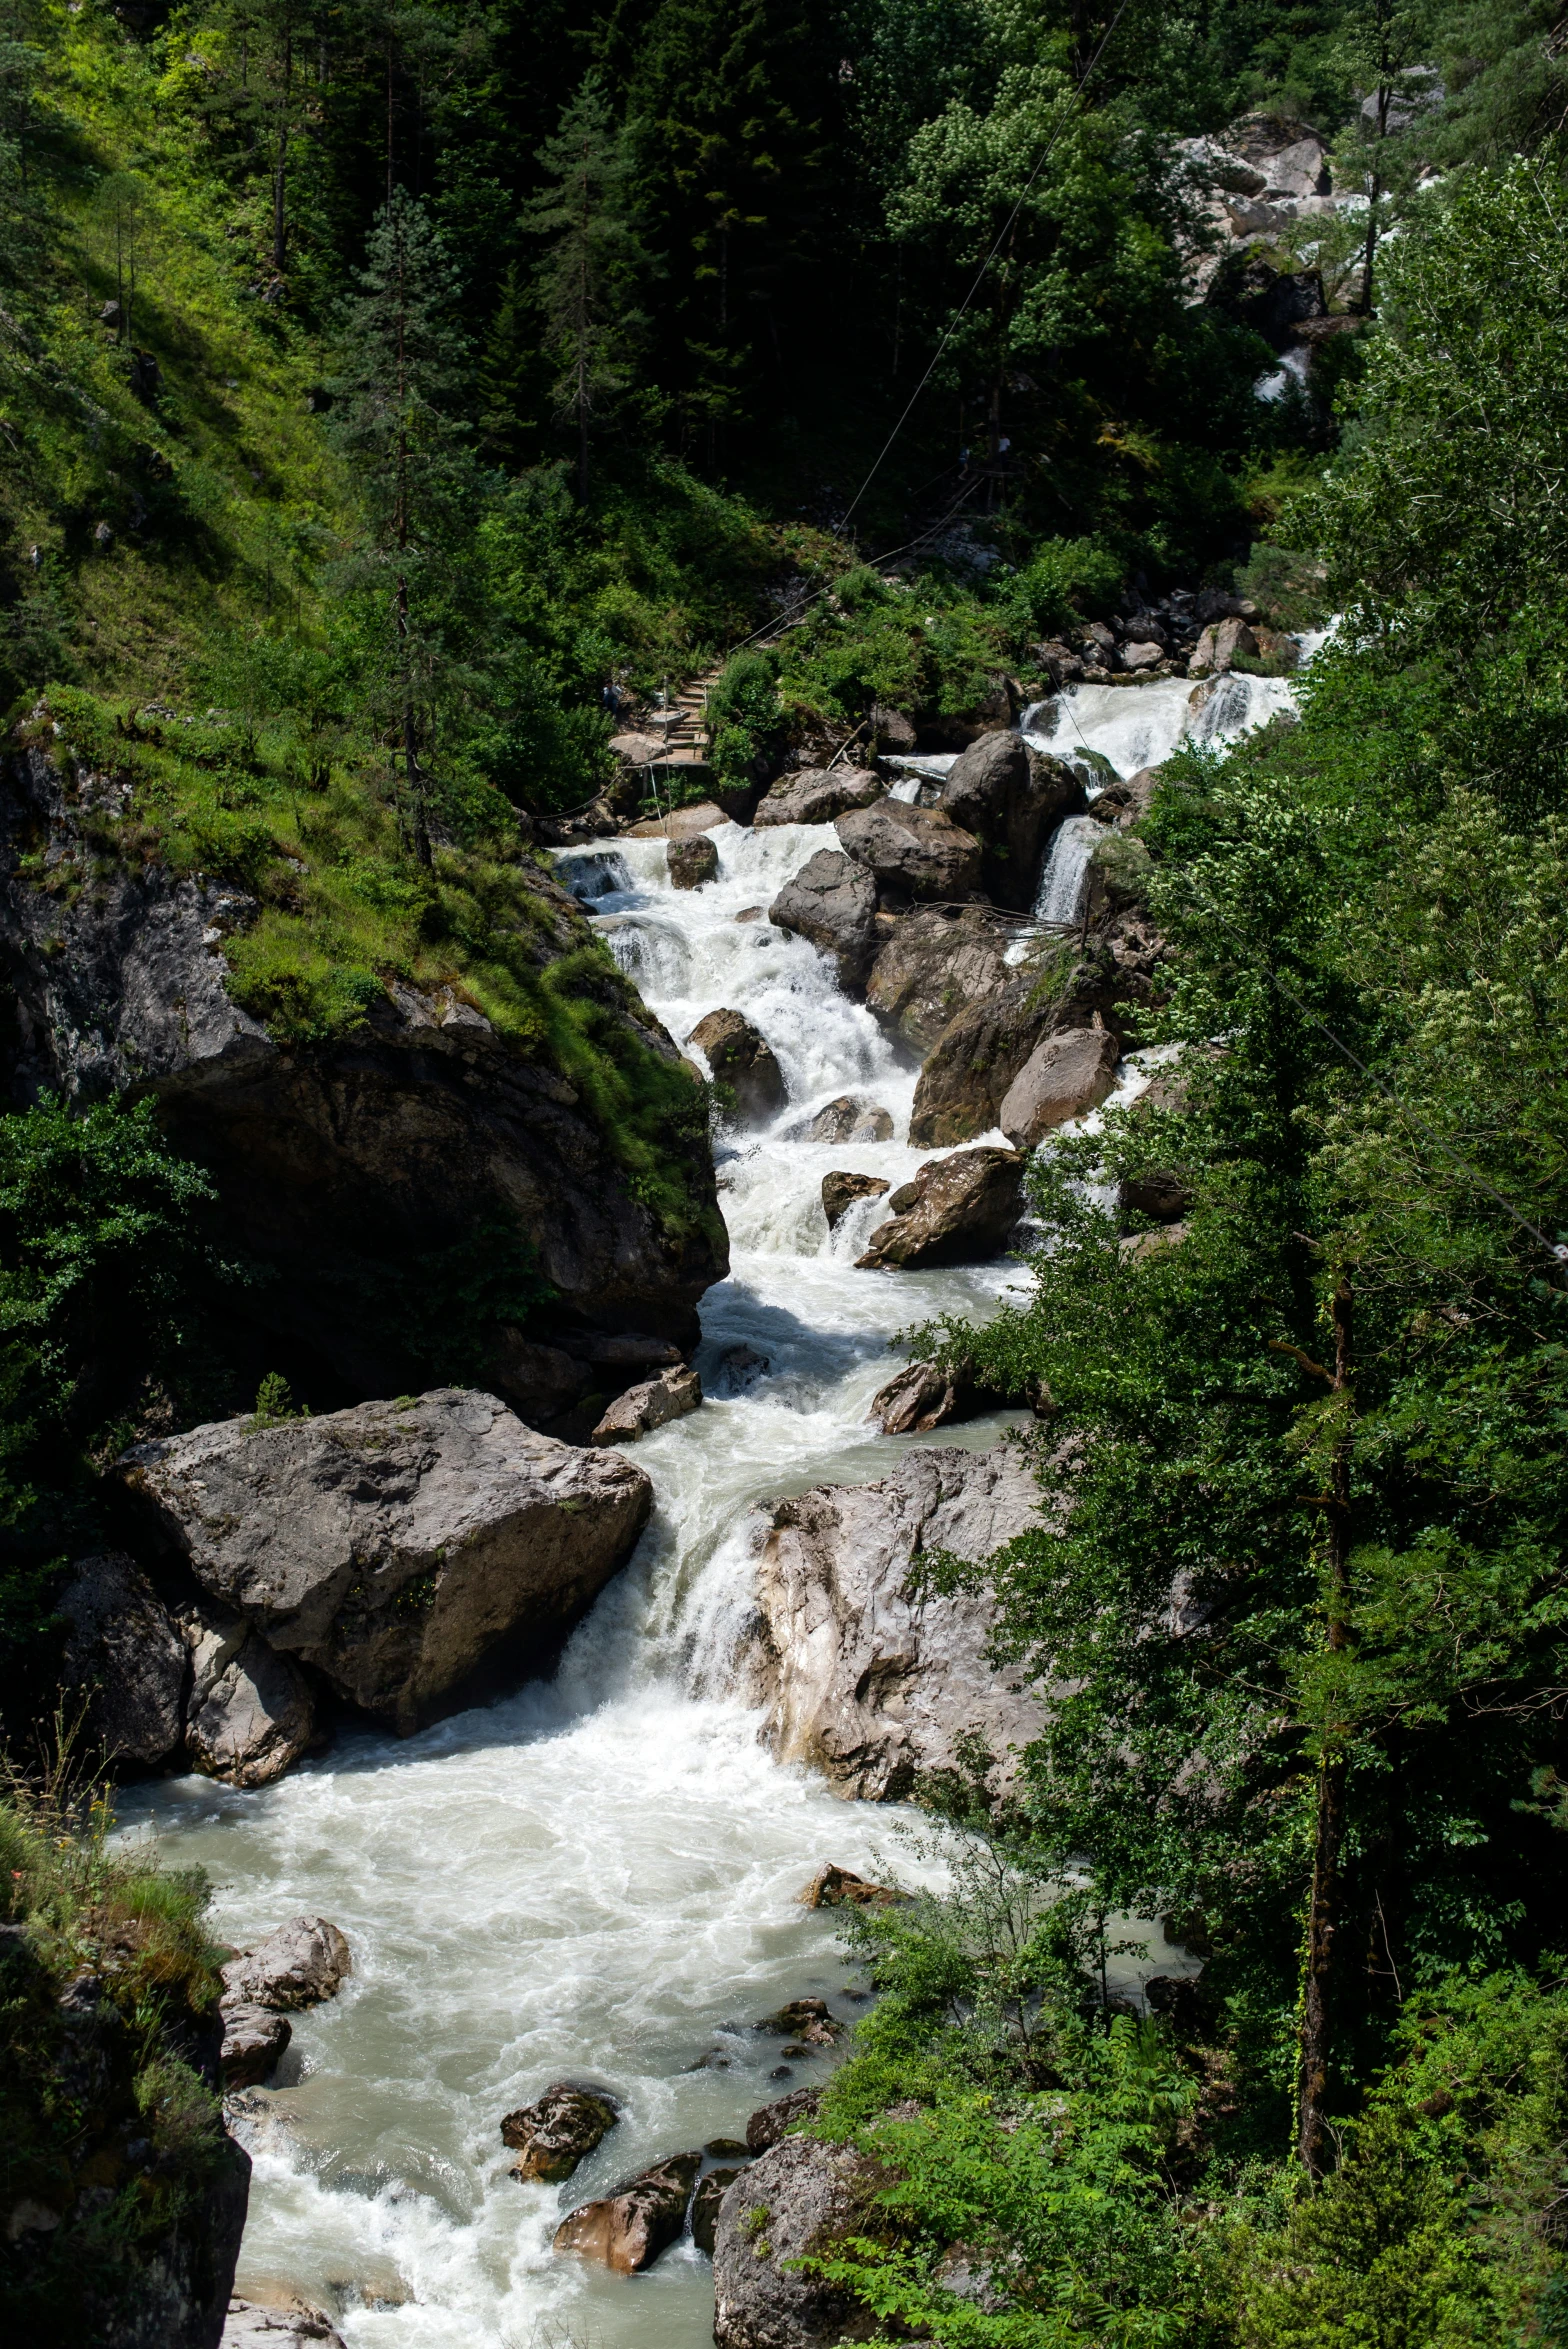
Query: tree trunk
[[1329, 1828]]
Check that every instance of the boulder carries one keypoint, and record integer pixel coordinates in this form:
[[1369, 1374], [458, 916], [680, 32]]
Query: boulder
[[741, 1057], [551, 2136], [848, 1119], [296, 2327], [798, 2198], [653, 1404], [299, 1965], [396, 1546], [1158, 1193], [351, 1163], [973, 1062], [692, 862], [1220, 646], [250, 1710], [911, 852], [861, 1674], [840, 1888], [832, 901], [772, 2121], [1138, 1247], [927, 1394], [253, 2039], [803, 2018], [1120, 868], [627, 2230], [815, 795], [1009, 797], [937, 961], [841, 1190], [125, 1657], [1066, 1075], [679, 823], [705, 2207], [892, 728], [957, 1210], [1141, 659]]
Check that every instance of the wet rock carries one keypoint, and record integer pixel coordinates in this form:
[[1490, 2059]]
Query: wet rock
[[739, 1369], [396, 1546], [912, 852], [653, 1404], [958, 1210], [253, 2039], [1220, 646], [250, 1711], [250, 2327], [627, 2230], [848, 1119], [1066, 1075], [840, 1192], [725, 2149], [692, 862], [1119, 872], [560, 2129], [1010, 798], [807, 2019], [800, 2197], [741, 1057], [832, 901], [839, 1888], [861, 1675], [815, 795], [299, 1965], [928, 1394], [752, 913], [125, 1656], [976, 1058], [773, 2121], [705, 2207], [937, 961]]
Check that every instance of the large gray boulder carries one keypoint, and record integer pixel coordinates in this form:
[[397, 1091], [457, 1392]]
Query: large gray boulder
[[125, 1658], [250, 1713], [832, 901], [740, 1056], [867, 1678], [1066, 1075], [912, 852], [396, 1546], [552, 2136], [801, 2197], [815, 795], [936, 962], [298, 1965], [1010, 797], [957, 1210]]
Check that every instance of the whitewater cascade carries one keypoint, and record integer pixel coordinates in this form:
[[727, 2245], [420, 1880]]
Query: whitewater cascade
[[599, 1878]]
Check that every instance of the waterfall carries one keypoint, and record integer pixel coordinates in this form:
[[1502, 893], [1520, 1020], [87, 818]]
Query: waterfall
[[1062, 883]]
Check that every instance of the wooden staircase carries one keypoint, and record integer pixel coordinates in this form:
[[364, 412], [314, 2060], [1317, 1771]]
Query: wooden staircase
[[687, 738]]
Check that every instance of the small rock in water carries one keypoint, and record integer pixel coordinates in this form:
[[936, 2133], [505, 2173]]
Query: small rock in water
[[803, 2018], [653, 1404], [751, 913], [848, 1119], [627, 2230], [740, 1367], [300, 1964], [692, 862], [726, 2149], [741, 1057], [841, 1190], [254, 2037], [836, 1888], [705, 2206], [925, 1395], [781, 2072], [249, 2327], [559, 2130]]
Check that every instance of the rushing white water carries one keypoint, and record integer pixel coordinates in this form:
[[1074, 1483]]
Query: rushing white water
[[1067, 869], [1136, 726], [598, 1878]]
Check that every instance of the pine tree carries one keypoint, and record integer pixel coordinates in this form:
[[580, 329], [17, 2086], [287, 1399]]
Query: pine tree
[[402, 360], [584, 281]]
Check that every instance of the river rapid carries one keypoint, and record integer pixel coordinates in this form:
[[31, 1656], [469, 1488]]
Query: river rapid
[[598, 1878]]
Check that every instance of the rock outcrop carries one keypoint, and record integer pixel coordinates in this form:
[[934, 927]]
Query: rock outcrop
[[815, 795], [254, 2037], [125, 1658], [841, 1888], [705, 2207], [653, 1403], [798, 2198], [862, 1674], [250, 1713], [740, 1056], [1010, 797], [936, 962], [911, 852], [553, 2135], [840, 1191], [626, 2231], [848, 1119], [348, 1163], [299, 1965], [772, 2121], [832, 901], [398, 1546], [957, 1210], [925, 1395], [1065, 1075]]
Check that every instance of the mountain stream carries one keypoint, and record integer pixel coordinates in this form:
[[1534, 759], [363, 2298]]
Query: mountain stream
[[598, 1878]]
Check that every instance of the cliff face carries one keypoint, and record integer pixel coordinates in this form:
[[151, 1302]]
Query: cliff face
[[344, 1161]]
